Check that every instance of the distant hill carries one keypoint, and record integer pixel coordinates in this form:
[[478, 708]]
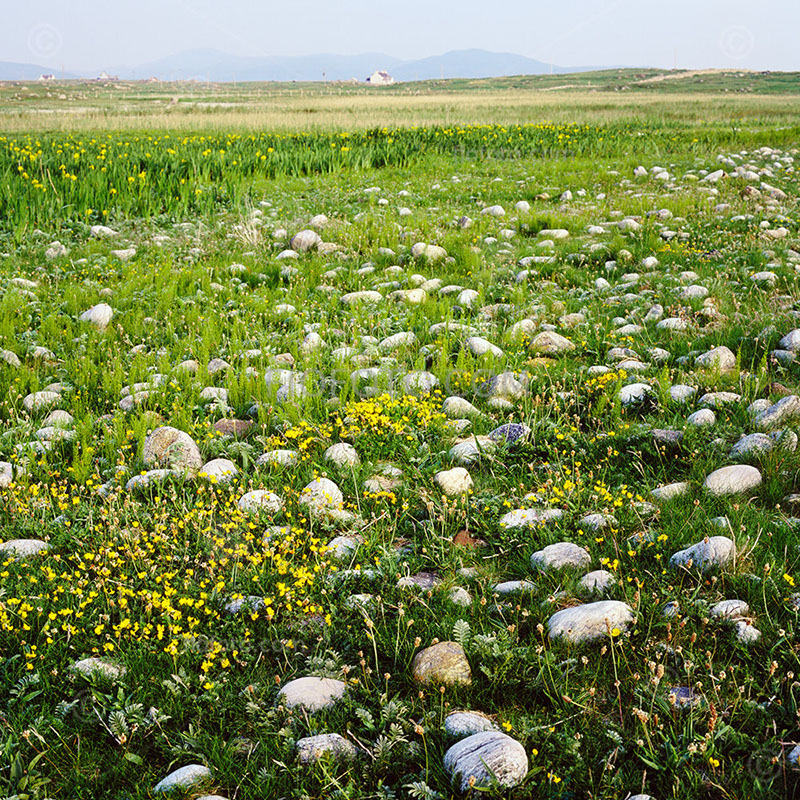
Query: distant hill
[[213, 65], [12, 71], [219, 67], [475, 64]]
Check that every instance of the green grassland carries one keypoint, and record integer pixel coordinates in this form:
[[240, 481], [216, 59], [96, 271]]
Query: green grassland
[[202, 198]]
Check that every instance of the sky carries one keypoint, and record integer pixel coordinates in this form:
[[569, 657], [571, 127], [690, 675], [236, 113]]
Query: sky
[[99, 34]]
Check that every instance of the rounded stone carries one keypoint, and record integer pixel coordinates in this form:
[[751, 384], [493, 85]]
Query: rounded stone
[[99, 315], [312, 693], [306, 240], [715, 551], [730, 609], [460, 724], [732, 480], [170, 448], [454, 482], [560, 556], [702, 417], [98, 666], [721, 359], [19, 549], [529, 517], [634, 393], [342, 455], [332, 745], [183, 778], [219, 470], [598, 581], [483, 758], [260, 500], [443, 663], [590, 621], [550, 343]]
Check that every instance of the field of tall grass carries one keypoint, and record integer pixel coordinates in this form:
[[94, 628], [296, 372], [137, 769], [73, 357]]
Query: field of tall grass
[[483, 281]]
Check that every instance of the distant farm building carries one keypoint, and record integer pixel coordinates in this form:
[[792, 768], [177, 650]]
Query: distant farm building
[[104, 76], [380, 78], [47, 77]]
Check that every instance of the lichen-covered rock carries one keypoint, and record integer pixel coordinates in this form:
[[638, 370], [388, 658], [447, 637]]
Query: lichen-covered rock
[[312, 693], [715, 551], [732, 480], [560, 556], [460, 724], [20, 549], [590, 621], [260, 500], [332, 745], [443, 663], [483, 758], [183, 778], [454, 482], [170, 448]]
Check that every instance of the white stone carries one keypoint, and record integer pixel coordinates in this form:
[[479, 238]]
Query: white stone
[[681, 393], [513, 587], [459, 724], [102, 232], [219, 470], [324, 498], [634, 393], [37, 400], [430, 252], [312, 694], [342, 455], [598, 581], [730, 609], [277, 458], [480, 347], [732, 480], [99, 315], [472, 450], [590, 620], [367, 297], [312, 748], [20, 549], [711, 552], [483, 758], [721, 359], [530, 517], [702, 417], [305, 240], [551, 343], [785, 410], [561, 555], [454, 482], [183, 778], [150, 478], [404, 339], [455, 407], [98, 666]]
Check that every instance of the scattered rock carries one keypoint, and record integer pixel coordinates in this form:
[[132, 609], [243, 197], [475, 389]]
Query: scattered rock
[[484, 758], [443, 663]]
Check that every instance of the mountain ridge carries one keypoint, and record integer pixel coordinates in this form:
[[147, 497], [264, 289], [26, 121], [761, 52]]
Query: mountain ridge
[[208, 64]]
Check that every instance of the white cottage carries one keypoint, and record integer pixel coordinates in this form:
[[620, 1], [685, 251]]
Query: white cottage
[[380, 78]]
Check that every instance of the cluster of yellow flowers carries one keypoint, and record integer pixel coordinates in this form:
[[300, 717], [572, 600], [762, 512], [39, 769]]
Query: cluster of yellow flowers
[[159, 575]]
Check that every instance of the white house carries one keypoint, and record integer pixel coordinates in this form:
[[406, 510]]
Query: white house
[[380, 78]]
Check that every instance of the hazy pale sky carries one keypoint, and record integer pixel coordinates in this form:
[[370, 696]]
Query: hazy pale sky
[[95, 34]]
